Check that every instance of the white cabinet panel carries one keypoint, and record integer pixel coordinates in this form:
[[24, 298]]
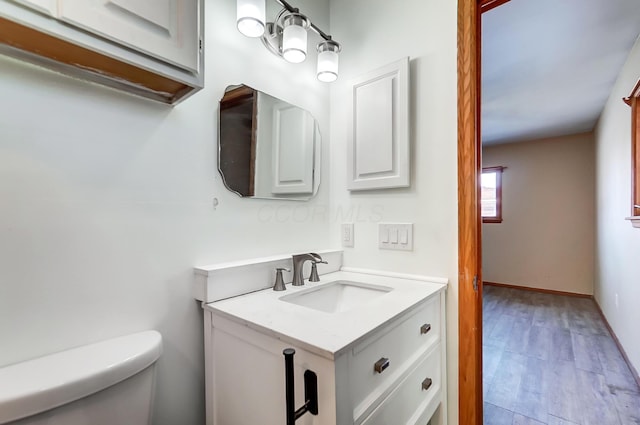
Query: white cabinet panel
[[160, 28], [293, 134], [411, 402], [378, 154], [44, 6]]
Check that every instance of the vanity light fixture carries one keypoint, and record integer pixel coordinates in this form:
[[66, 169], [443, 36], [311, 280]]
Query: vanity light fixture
[[286, 36], [251, 17]]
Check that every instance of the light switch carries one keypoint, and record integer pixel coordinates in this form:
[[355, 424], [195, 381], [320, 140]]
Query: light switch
[[384, 235], [396, 236], [404, 236]]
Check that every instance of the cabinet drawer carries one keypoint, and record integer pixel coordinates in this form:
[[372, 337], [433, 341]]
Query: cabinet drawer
[[417, 393], [370, 375]]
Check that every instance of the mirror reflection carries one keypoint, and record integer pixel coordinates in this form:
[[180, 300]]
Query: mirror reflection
[[268, 148]]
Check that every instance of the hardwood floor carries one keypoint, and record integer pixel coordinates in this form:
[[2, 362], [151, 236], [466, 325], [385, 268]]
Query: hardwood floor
[[549, 359]]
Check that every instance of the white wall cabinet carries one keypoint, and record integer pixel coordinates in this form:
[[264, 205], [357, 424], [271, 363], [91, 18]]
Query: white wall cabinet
[[151, 48], [161, 28], [246, 385], [45, 6], [378, 144]]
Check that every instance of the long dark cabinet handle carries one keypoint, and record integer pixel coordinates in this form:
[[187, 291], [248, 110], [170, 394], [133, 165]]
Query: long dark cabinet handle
[[310, 390], [381, 365]]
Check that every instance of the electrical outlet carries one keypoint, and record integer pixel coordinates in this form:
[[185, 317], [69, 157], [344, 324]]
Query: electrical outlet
[[617, 300], [347, 235]]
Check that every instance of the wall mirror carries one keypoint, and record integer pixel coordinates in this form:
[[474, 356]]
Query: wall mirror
[[267, 148]]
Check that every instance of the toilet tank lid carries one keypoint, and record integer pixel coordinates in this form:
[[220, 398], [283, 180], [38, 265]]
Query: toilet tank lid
[[37, 385]]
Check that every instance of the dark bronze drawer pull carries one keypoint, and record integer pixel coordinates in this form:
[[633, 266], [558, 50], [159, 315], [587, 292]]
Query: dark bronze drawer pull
[[426, 384], [381, 365], [425, 328]]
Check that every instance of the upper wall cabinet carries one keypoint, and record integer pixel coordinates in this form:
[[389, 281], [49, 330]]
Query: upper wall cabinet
[[378, 149], [45, 6], [152, 48]]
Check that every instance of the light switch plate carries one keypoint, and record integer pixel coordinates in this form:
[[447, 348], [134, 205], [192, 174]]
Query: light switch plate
[[395, 236], [347, 235]]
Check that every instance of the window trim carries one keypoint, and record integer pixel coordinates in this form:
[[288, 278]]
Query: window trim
[[633, 100], [498, 216]]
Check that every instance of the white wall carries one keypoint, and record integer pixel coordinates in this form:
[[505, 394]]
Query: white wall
[[107, 206], [546, 238], [618, 244], [375, 33]]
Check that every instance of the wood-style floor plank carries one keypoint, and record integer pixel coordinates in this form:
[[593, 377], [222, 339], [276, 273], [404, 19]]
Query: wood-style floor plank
[[550, 360], [598, 407], [495, 415], [523, 420]]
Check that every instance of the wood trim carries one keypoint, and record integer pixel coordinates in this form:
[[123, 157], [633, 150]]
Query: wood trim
[[236, 96], [498, 217], [487, 5], [544, 291], [493, 169], [491, 220], [634, 93], [104, 69], [469, 226], [635, 156], [633, 370], [254, 144]]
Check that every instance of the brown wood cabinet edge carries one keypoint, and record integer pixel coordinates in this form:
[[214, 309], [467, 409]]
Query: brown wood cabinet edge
[[104, 69], [236, 96], [633, 370]]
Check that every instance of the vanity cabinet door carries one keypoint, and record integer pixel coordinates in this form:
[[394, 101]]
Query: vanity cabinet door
[[163, 29], [399, 343], [45, 6]]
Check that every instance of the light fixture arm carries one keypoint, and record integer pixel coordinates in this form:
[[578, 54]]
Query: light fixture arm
[[313, 26], [286, 35]]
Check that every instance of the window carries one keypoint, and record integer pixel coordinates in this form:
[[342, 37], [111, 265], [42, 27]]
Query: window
[[634, 101], [491, 194]]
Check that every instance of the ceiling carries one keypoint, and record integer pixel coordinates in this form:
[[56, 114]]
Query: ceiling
[[548, 66]]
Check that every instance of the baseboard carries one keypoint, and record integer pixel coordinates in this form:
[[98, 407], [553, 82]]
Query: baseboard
[[633, 370], [544, 291]]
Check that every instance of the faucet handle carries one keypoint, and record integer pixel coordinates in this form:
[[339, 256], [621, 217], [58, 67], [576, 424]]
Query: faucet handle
[[314, 271], [279, 285]]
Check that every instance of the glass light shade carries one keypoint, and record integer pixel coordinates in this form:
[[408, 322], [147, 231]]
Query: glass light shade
[[294, 38], [251, 17], [328, 61]]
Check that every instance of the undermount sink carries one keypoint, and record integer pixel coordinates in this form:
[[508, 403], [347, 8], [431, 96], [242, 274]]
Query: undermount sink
[[338, 296]]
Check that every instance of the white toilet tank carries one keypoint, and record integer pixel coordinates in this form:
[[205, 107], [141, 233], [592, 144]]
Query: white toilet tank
[[108, 383]]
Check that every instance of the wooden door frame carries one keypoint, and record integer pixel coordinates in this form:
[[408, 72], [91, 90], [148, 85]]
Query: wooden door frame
[[469, 221]]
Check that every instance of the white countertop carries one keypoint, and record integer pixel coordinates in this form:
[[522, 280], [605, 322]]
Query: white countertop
[[326, 334]]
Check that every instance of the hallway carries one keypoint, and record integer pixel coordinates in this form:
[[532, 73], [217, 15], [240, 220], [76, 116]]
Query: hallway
[[549, 359]]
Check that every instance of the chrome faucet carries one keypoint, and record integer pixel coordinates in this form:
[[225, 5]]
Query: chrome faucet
[[298, 264]]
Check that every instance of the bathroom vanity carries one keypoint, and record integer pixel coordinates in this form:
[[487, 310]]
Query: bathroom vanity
[[375, 342]]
